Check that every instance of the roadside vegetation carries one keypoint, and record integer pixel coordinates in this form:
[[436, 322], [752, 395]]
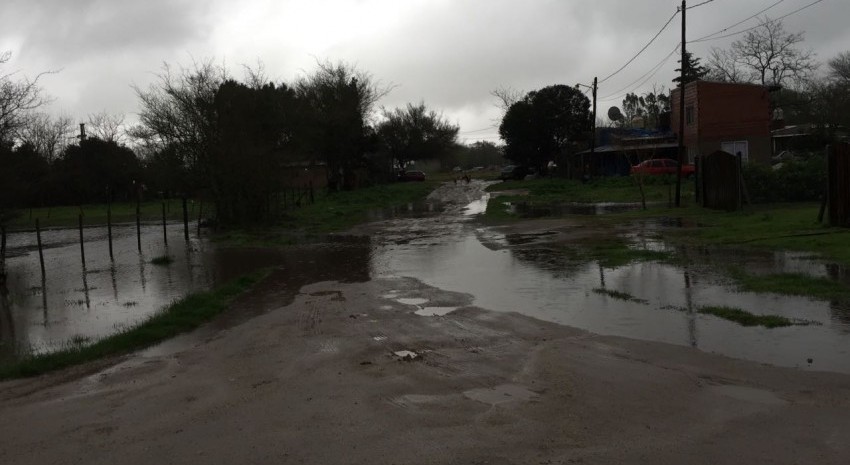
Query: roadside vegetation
[[745, 318], [619, 295], [182, 316]]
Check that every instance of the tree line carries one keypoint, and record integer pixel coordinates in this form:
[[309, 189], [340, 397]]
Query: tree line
[[203, 130]]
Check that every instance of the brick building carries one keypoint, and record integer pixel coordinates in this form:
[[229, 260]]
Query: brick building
[[725, 116]]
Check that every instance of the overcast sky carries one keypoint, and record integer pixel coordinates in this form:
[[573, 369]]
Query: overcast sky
[[448, 53]]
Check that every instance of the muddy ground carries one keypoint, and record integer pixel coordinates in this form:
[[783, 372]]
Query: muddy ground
[[348, 372]]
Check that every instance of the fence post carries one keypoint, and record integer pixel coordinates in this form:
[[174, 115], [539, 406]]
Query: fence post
[[164, 229], [200, 215], [312, 197], [185, 220], [138, 221], [2, 248], [40, 251], [109, 224], [82, 242]]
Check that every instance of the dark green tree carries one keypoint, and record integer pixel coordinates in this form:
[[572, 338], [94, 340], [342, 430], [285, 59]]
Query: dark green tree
[[416, 133], [694, 71], [544, 123], [85, 172], [255, 129], [339, 102]]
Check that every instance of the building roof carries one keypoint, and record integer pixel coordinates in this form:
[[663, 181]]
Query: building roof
[[627, 148]]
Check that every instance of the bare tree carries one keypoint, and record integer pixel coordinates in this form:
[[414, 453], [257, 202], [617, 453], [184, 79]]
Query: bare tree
[[768, 55], [506, 96], [18, 95], [178, 110], [839, 68], [106, 126], [48, 135]]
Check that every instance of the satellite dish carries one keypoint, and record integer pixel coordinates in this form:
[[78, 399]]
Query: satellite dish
[[614, 114]]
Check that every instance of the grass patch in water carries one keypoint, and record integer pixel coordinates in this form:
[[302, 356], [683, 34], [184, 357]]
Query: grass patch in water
[[620, 295], [745, 318], [613, 252], [183, 315], [792, 284], [162, 260]]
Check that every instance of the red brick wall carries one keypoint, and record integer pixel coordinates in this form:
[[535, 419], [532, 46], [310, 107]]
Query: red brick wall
[[725, 112]]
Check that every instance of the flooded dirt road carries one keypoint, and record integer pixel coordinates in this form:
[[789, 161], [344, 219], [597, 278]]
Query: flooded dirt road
[[384, 361]]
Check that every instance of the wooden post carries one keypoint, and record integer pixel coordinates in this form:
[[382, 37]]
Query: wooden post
[[164, 230], [40, 251], [138, 221], [185, 219], [200, 215], [2, 249], [109, 227], [82, 242], [312, 197]]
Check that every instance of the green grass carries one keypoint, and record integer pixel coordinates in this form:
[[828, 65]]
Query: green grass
[[554, 191], [163, 260], [619, 295], [181, 316], [125, 212], [745, 318], [792, 284], [331, 212], [613, 251]]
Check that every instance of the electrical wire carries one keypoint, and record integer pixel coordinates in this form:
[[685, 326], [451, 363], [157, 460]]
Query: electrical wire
[[758, 25], [652, 71], [643, 49], [699, 4], [478, 130], [707, 37]]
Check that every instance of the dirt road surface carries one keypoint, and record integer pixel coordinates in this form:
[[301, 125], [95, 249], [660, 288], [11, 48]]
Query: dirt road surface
[[348, 373]]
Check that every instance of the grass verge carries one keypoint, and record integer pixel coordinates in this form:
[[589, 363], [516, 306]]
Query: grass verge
[[554, 191], [745, 318], [331, 212], [183, 315], [122, 212], [620, 295], [792, 284], [163, 260]]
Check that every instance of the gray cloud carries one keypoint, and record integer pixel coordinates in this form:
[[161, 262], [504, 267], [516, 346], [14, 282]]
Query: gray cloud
[[448, 53]]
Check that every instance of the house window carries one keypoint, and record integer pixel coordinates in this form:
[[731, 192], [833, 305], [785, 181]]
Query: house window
[[692, 154], [689, 115], [739, 148]]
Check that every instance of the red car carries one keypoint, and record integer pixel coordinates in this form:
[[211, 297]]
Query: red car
[[661, 166], [411, 176]]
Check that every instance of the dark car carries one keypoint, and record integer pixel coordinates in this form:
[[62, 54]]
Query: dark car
[[411, 176], [661, 166], [514, 172]]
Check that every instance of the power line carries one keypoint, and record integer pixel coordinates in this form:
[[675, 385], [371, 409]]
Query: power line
[[699, 4], [652, 71], [642, 50], [478, 130], [758, 25], [706, 37]]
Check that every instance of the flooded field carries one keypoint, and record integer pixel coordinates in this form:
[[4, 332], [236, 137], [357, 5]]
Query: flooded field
[[440, 243], [77, 305], [524, 274]]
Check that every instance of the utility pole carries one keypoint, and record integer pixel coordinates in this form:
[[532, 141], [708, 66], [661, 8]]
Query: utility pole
[[682, 155], [593, 134]]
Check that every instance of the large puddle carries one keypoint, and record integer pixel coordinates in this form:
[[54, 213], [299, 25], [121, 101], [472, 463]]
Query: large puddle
[[77, 305], [517, 274], [443, 246]]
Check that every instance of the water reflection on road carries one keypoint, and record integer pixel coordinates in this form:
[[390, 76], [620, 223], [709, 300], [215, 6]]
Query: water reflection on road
[[515, 274]]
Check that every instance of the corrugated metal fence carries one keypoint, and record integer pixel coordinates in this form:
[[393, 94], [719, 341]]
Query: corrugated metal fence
[[719, 181], [839, 184]]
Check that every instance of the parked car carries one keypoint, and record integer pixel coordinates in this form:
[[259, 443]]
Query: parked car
[[661, 166], [514, 172], [411, 176]]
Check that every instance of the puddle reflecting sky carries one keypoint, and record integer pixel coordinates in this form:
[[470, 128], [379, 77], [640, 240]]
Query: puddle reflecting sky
[[536, 281]]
